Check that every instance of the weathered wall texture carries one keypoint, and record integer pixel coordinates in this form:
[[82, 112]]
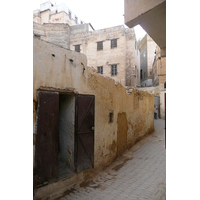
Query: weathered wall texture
[[105, 57], [58, 72], [59, 34], [133, 114], [124, 55]]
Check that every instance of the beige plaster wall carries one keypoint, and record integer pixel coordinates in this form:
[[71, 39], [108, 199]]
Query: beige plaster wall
[[61, 17], [136, 109], [58, 34], [44, 16], [122, 55]]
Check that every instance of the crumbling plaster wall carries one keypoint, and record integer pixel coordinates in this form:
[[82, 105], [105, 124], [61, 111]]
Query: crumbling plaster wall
[[59, 73], [58, 34]]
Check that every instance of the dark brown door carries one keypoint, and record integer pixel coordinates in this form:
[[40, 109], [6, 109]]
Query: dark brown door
[[84, 132], [46, 149]]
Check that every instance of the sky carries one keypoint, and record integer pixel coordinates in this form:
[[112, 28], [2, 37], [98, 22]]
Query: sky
[[101, 14]]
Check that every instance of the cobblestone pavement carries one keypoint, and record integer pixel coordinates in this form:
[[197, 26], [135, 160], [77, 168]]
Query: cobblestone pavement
[[139, 173]]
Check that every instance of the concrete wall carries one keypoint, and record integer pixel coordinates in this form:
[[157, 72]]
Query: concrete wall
[[135, 8], [151, 15]]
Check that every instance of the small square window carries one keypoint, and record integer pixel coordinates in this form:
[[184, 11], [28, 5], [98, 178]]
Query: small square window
[[113, 70], [113, 43], [100, 69], [77, 48], [99, 46], [110, 117]]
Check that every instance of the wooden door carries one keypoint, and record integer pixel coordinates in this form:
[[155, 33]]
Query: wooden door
[[46, 149]]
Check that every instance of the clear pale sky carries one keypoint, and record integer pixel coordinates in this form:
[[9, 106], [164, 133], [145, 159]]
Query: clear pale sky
[[101, 14]]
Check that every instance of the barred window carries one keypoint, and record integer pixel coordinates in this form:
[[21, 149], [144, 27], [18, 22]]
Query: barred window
[[113, 70], [100, 69], [99, 46], [113, 43], [77, 48]]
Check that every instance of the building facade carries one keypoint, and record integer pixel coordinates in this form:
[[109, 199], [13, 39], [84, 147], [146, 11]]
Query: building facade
[[49, 13], [147, 53], [110, 51], [159, 78]]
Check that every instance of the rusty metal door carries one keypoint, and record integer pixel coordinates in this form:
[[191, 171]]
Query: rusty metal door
[[84, 132], [46, 150]]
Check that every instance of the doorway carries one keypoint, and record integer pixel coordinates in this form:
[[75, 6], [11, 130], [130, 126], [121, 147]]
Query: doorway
[[65, 136]]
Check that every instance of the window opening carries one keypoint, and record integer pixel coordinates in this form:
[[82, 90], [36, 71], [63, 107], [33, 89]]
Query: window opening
[[100, 69], [99, 46], [110, 117], [113, 70], [113, 43], [77, 48]]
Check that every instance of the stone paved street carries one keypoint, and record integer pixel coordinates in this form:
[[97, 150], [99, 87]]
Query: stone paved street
[[139, 173]]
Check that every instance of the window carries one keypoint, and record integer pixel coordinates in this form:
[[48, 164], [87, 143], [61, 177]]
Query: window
[[99, 46], [113, 70], [76, 20], [113, 43], [110, 117], [77, 48], [70, 16], [100, 69]]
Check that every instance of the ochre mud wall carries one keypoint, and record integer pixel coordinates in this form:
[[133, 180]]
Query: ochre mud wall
[[55, 68]]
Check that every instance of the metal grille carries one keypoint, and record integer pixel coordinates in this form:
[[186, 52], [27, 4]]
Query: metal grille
[[99, 46], [113, 43], [113, 70], [100, 69]]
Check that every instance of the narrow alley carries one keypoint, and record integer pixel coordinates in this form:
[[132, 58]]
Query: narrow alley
[[139, 173]]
